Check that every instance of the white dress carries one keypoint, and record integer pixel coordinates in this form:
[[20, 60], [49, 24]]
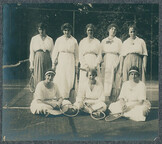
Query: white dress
[[89, 56], [67, 51], [45, 94], [131, 96], [111, 51], [95, 97]]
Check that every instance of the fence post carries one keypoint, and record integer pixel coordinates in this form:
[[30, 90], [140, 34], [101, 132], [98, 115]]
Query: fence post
[[73, 23], [151, 48]]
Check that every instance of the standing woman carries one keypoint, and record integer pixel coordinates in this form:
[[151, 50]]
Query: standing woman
[[134, 53], [66, 53], [111, 47], [89, 53], [41, 47]]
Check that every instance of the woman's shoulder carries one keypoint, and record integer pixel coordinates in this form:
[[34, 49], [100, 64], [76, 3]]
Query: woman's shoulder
[[99, 83], [60, 37], [50, 38], [126, 83], [40, 85], [126, 41], [74, 39], [35, 36], [140, 39], [141, 83], [117, 39], [96, 40]]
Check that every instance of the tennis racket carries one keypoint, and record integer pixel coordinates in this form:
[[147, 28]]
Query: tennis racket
[[69, 110], [73, 93], [31, 84], [96, 115], [53, 112], [112, 117]]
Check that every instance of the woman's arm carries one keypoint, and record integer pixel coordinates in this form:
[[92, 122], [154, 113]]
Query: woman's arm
[[81, 57], [144, 62], [55, 55], [31, 57], [99, 56], [76, 54], [121, 65], [51, 47]]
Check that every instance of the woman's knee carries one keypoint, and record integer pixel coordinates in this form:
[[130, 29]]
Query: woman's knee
[[66, 102]]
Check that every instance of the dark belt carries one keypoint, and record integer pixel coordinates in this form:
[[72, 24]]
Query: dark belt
[[42, 51]]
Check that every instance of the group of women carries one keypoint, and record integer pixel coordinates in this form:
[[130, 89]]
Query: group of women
[[102, 65]]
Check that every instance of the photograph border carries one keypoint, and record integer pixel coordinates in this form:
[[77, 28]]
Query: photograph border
[[157, 140]]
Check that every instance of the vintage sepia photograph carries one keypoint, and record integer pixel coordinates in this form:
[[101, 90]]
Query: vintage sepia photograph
[[80, 72]]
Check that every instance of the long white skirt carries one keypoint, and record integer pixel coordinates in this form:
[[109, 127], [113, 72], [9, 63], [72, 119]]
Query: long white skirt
[[111, 61], [91, 62], [65, 71], [99, 105], [137, 113], [39, 107]]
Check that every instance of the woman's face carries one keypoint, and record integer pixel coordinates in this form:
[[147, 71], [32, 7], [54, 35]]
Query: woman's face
[[132, 32], [67, 32], [41, 31], [49, 77], [91, 76], [134, 76], [90, 32], [112, 31]]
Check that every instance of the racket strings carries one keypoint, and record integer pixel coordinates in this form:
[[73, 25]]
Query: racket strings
[[69, 110], [95, 114], [112, 117], [31, 84]]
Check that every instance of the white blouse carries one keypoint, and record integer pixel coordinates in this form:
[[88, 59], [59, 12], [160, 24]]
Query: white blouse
[[66, 45], [95, 94], [89, 47], [113, 46], [38, 44], [136, 46], [43, 93], [135, 93]]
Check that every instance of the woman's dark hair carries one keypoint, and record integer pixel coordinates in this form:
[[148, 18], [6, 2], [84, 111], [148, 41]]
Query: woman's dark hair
[[90, 26], [134, 68], [66, 26], [93, 71], [42, 25], [112, 25], [133, 26]]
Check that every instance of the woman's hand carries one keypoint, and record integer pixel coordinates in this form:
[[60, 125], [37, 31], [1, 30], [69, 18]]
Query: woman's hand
[[144, 67], [31, 70], [54, 67], [59, 102]]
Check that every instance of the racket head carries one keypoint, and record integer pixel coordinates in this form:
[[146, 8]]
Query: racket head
[[112, 117], [98, 115], [31, 84], [69, 110], [53, 112]]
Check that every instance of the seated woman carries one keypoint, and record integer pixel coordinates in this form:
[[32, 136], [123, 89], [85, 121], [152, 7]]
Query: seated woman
[[132, 99], [90, 97], [46, 96]]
